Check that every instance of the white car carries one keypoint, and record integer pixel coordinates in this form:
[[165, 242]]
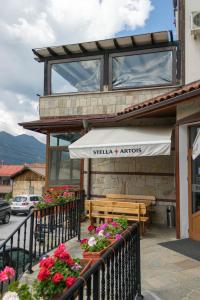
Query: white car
[[24, 203]]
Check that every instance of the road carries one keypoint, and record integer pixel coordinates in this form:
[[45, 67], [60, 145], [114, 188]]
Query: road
[[7, 229]]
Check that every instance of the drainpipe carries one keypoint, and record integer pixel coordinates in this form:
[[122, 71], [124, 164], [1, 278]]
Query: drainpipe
[[86, 128], [89, 178]]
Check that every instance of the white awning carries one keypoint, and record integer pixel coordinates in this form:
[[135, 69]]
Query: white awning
[[122, 142], [196, 146]]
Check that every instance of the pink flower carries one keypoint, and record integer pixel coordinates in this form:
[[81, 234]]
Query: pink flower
[[114, 224], [66, 194], [118, 236], [3, 276], [10, 272]]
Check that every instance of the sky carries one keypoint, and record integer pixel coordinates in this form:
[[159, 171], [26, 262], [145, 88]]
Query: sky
[[28, 24]]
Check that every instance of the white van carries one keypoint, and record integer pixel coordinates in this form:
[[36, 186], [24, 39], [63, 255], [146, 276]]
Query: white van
[[24, 203]]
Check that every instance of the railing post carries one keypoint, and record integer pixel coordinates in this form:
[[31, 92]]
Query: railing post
[[31, 242], [138, 265]]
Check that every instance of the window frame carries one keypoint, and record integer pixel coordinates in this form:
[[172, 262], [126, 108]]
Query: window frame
[[61, 148], [67, 60], [146, 51]]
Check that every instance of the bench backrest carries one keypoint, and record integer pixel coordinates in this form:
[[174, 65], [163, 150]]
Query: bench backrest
[[108, 206], [135, 198]]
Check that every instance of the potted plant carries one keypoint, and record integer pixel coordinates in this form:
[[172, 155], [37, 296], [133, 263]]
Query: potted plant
[[111, 230], [57, 273], [94, 247]]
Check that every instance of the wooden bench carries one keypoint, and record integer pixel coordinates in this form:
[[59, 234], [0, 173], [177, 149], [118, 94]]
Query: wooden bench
[[135, 198], [149, 201], [104, 209]]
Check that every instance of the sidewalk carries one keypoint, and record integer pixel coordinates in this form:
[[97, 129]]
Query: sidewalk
[[167, 275]]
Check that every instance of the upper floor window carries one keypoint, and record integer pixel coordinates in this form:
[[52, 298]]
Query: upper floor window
[[140, 70], [76, 76], [113, 71]]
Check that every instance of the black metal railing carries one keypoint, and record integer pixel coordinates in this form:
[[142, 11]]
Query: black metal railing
[[41, 231], [115, 276]]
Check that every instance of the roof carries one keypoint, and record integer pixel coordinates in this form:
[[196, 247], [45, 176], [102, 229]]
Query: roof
[[195, 86], [9, 170], [37, 170], [60, 122], [117, 43], [166, 100]]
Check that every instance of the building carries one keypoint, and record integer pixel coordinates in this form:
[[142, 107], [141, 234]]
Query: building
[[29, 180], [6, 173], [122, 105]]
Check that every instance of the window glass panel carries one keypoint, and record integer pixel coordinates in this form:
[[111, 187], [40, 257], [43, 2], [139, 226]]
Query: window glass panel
[[142, 69], [194, 131], [77, 76], [63, 170], [63, 139]]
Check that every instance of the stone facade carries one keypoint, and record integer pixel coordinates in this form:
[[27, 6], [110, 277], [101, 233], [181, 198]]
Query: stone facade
[[147, 176], [95, 103]]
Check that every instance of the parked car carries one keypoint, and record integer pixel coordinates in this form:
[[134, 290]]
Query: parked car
[[24, 203], [5, 211]]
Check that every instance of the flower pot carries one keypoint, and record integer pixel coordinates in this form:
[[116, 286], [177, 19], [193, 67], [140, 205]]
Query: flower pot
[[94, 256]]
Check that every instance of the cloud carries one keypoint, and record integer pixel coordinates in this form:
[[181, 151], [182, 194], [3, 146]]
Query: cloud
[[35, 23]]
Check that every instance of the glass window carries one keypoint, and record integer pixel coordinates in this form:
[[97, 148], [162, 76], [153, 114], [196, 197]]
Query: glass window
[[62, 169], [63, 139], [194, 134], [142, 70], [76, 76]]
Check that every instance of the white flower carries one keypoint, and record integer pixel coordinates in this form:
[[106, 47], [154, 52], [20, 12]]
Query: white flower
[[101, 233], [92, 241], [11, 296]]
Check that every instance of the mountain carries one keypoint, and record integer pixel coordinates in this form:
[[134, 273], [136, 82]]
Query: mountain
[[20, 149]]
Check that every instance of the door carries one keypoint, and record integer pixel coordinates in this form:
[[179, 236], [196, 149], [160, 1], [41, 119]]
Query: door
[[194, 186]]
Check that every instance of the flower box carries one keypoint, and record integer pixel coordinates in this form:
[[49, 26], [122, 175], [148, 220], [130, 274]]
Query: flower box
[[94, 256]]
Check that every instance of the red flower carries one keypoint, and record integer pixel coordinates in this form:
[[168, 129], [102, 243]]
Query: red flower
[[64, 256], [47, 263], [43, 274], [61, 248], [70, 281], [70, 262], [57, 278], [90, 228], [83, 241], [10, 272]]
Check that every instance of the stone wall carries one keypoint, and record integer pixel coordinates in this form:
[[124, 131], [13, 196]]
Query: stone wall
[[95, 103], [147, 176]]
